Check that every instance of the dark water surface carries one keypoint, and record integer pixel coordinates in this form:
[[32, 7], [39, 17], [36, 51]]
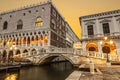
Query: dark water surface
[[57, 71]]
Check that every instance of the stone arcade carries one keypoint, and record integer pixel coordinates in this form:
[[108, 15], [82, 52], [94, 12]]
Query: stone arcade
[[33, 29], [96, 27]]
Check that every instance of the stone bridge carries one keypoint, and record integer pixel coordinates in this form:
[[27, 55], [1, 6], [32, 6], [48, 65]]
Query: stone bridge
[[76, 57]]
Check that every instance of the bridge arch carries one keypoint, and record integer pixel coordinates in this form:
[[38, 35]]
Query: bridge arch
[[48, 58]]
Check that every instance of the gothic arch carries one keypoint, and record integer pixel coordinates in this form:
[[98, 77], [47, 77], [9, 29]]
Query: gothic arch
[[41, 40], [20, 41], [18, 52], [46, 39], [36, 41], [4, 53], [4, 56], [32, 40], [33, 52], [28, 40], [10, 55], [25, 51], [17, 41], [24, 40]]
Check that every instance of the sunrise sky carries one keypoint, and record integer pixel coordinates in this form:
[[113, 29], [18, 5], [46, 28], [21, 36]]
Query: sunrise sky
[[71, 10]]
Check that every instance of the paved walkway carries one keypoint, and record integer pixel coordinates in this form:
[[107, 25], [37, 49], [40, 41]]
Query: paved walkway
[[74, 76]]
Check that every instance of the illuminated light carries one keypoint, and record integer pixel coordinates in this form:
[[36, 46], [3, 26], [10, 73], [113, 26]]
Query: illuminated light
[[111, 42], [46, 40], [39, 22], [11, 48], [11, 77], [41, 40], [101, 42], [67, 39], [15, 48], [105, 38]]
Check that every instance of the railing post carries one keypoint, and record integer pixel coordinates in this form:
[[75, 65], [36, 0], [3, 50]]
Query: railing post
[[87, 53], [109, 56], [95, 55]]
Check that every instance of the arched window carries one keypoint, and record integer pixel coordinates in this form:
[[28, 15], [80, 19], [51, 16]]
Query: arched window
[[45, 39], [19, 24], [5, 25], [39, 22], [41, 40], [28, 40]]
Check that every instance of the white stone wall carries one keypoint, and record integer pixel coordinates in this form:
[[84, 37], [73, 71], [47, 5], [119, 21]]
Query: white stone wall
[[28, 19], [111, 17], [98, 19]]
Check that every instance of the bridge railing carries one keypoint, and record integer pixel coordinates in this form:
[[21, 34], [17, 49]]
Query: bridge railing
[[61, 50], [76, 52], [99, 55], [114, 57]]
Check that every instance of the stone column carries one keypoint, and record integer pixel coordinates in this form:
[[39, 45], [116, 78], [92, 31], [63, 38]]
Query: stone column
[[7, 56], [116, 27], [43, 41], [30, 40], [99, 47], [34, 41], [26, 41], [83, 30], [22, 41], [18, 41], [38, 40], [84, 45], [98, 28]]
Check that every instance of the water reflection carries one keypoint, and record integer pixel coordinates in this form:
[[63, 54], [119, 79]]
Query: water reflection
[[11, 77], [59, 71]]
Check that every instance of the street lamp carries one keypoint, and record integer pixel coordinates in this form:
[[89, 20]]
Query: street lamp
[[106, 40]]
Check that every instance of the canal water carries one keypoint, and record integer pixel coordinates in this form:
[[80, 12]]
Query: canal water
[[56, 71]]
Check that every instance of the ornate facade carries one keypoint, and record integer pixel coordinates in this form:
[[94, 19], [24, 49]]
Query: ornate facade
[[96, 27], [33, 29]]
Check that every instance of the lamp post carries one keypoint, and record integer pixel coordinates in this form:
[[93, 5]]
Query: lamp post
[[107, 49]]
